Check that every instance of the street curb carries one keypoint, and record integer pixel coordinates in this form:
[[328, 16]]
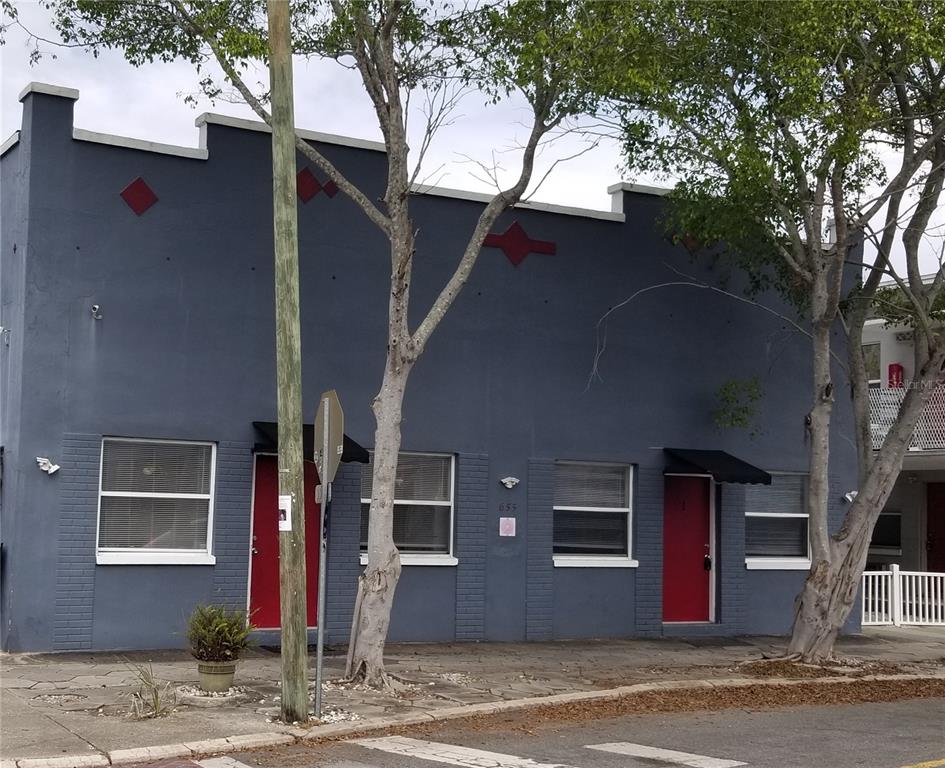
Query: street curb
[[295, 735]]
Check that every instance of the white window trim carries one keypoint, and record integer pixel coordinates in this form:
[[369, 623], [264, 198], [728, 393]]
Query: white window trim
[[875, 383], [153, 557], [600, 561], [418, 559], [777, 563], [141, 555], [427, 558], [780, 562], [594, 561]]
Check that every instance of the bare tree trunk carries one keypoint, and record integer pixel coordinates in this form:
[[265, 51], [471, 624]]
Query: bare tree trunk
[[859, 391], [378, 583], [809, 635], [830, 591]]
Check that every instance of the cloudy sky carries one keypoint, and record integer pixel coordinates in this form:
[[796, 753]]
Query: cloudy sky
[[147, 103]]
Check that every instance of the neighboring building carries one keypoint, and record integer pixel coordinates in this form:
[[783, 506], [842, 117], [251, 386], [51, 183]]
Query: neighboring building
[[137, 355], [910, 532]]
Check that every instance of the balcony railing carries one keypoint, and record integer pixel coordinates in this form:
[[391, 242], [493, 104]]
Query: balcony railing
[[903, 598], [929, 430]]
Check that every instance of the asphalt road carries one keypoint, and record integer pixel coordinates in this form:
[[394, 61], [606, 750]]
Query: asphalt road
[[908, 733]]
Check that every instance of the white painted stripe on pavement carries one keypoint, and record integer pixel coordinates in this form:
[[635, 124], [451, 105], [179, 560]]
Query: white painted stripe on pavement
[[666, 755], [450, 753], [221, 762]]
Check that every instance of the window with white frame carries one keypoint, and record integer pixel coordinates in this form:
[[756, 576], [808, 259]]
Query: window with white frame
[[591, 511], [887, 534], [872, 360], [423, 504], [776, 524], [155, 501]]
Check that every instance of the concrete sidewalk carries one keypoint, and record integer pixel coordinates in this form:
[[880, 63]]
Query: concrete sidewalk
[[77, 705]]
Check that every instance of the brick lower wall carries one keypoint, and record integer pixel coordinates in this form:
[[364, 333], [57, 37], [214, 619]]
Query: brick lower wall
[[648, 549], [232, 508], [344, 539], [472, 502], [539, 604], [75, 567]]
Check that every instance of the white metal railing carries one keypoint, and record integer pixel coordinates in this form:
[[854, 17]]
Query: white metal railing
[[877, 598], [915, 598], [929, 432]]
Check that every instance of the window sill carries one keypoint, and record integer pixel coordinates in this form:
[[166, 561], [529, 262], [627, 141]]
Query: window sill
[[420, 559], [777, 564], [589, 561], [886, 551], [154, 558]]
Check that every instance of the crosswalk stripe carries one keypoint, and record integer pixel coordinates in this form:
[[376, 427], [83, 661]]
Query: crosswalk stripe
[[450, 753], [666, 755], [220, 762]]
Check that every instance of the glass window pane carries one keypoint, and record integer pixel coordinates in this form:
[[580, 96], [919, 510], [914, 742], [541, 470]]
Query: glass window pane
[[156, 467], [590, 533], [874, 371], [888, 531], [418, 529], [776, 537], [785, 495], [153, 523], [419, 478], [591, 485]]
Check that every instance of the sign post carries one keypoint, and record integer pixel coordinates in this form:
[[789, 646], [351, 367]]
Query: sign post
[[329, 445]]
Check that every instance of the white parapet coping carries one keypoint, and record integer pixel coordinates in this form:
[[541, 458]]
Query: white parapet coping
[[616, 193], [194, 153], [485, 197], [642, 189], [49, 90], [201, 152], [12, 140], [212, 118]]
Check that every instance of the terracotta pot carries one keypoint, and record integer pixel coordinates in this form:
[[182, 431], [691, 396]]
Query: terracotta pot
[[216, 676]]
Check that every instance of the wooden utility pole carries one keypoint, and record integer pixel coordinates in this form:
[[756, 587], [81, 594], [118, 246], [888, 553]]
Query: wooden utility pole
[[288, 371]]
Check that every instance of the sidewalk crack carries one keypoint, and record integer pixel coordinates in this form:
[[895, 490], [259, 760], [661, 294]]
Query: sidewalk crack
[[76, 734]]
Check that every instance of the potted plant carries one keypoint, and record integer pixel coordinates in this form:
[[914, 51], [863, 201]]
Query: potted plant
[[217, 635]]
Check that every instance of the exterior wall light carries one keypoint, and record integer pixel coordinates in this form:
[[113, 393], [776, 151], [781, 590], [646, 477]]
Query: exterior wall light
[[46, 465], [509, 482]]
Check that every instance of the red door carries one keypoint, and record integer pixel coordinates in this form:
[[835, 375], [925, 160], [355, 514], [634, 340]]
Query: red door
[[935, 527], [686, 544], [264, 576]]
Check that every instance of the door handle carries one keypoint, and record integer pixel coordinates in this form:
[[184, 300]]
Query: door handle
[[254, 551], [707, 563]]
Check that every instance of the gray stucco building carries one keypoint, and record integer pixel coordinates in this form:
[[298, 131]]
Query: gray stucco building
[[137, 355]]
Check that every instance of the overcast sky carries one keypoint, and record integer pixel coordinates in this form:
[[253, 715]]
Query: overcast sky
[[147, 103]]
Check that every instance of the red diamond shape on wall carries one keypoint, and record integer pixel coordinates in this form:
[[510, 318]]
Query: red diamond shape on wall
[[308, 186], [516, 244], [139, 196]]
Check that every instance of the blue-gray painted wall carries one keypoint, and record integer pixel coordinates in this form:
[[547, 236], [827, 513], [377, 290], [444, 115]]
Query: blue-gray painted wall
[[185, 349]]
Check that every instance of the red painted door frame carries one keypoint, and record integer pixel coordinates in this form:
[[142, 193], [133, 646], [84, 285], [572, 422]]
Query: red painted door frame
[[687, 541], [264, 544], [935, 528]]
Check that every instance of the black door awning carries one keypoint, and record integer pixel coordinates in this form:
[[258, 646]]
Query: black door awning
[[724, 467], [268, 442]]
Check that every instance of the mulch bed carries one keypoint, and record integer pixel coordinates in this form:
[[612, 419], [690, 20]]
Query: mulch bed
[[751, 697]]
